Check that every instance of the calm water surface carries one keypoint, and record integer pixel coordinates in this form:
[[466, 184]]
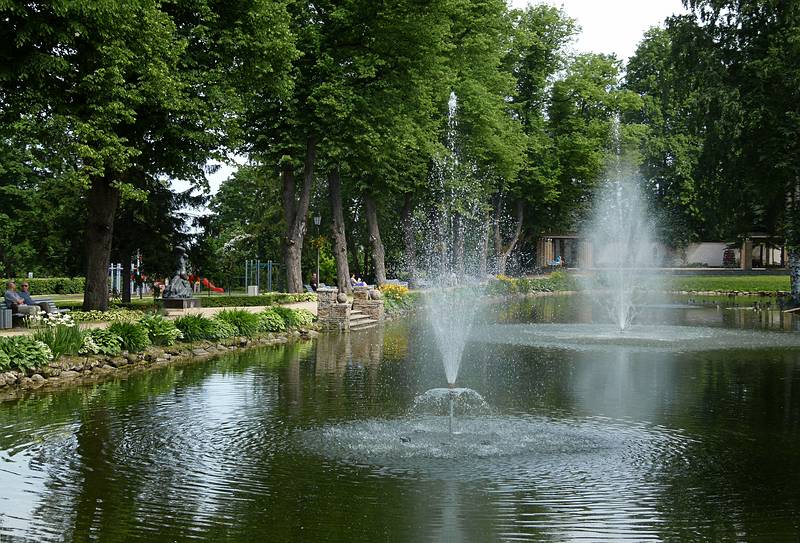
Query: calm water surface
[[316, 441]]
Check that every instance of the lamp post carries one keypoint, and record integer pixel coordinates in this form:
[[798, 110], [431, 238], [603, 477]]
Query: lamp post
[[317, 221]]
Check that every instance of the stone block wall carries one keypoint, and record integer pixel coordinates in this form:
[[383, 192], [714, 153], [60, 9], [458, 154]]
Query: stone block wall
[[373, 308], [331, 314]]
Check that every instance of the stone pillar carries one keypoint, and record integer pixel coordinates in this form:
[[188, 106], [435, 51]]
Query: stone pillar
[[331, 313], [369, 302], [747, 254]]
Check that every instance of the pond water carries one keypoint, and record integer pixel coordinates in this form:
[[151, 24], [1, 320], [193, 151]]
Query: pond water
[[562, 439]]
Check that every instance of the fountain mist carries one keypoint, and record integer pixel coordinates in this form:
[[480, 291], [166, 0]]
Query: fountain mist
[[624, 254]]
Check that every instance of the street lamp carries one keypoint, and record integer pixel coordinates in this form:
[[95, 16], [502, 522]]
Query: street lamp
[[317, 221]]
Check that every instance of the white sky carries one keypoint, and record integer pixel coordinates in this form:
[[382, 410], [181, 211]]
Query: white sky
[[612, 26]]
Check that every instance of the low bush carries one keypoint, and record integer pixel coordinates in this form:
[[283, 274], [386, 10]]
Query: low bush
[[507, 286], [101, 341], [112, 315], [133, 335], [294, 318], [161, 331], [26, 352], [196, 328], [395, 293], [55, 285], [60, 333], [5, 361], [245, 322], [270, 320], [223, 329]]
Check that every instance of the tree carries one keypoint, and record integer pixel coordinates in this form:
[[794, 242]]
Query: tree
[[135, 91]]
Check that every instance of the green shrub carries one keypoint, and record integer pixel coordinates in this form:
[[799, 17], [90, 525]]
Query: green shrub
[[245, 322], [196, 327], [294, 318], [112, 315], [133, 335], [161, 331], [101, 341], [269, 298], [270, 320], [54, 285], [26, 352], [60, 333], [5, 361], [223, 329]]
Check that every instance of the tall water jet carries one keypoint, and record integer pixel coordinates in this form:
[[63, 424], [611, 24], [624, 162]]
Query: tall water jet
[[621, 240], [452, 297]]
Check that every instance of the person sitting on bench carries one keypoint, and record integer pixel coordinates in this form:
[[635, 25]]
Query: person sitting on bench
[[26, 296], [17, 302]]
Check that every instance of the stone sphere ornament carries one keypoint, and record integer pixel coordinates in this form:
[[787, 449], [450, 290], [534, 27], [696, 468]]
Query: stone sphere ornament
[[375, 294], [341, 298]]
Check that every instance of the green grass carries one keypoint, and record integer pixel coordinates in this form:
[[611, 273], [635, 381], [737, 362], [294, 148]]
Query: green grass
[[730, 283]]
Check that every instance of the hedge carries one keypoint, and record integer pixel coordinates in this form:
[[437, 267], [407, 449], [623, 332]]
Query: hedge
[[271, 298], [53, 285]]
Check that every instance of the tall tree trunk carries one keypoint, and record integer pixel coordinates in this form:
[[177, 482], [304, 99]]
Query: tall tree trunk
[[792, 240], [504, 250], [409, 239], [458, 245], [295, 210], [483, 252], [103, 200], [337, 228], [378, 253], [351, 242], [126, 279]]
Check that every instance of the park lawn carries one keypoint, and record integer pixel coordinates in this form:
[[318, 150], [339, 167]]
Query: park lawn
[[730, 283]]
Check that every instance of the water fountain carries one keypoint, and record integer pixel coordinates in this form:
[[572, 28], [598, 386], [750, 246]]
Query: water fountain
[[452, 298], [620, 235]]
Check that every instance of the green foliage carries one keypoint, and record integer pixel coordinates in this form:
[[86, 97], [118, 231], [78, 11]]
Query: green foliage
[[5, 361], [223, 329], [271, 321], [63, 339], [54, 285], [294, 318], [102, 341], [245, 322], [134, 335], [508, 286], [196, 328], [161, 331], [26, 352], [112, 315]]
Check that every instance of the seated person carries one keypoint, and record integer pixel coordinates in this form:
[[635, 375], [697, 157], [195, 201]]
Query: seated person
[[26, 296], [353, 280], [16, 302]]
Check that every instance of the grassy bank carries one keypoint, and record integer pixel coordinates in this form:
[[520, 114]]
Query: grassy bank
[[730, 283]]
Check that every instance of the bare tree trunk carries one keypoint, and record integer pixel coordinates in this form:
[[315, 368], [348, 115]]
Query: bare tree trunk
[[378, 253], [792, 240], [294, 213], [458, 245], [483, 253], [409, 239], [126, 279], [503, 251], [337, 228], [103, 200]]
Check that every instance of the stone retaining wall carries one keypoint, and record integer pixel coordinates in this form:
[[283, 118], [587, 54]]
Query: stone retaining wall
[[75, 369], [331, 313]]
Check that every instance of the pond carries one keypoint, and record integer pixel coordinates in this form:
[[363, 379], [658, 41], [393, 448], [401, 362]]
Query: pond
[[575, 438]]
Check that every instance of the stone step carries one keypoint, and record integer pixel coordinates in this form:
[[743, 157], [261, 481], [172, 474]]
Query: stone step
[[363, 325]]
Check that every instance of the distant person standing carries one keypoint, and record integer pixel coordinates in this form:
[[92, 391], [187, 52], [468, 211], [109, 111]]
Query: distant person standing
[[314, 282]]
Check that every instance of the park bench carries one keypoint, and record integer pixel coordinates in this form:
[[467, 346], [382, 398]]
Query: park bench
[[8, 316]]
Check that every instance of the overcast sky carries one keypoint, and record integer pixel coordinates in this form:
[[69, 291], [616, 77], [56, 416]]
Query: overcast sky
[[613, 26]]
